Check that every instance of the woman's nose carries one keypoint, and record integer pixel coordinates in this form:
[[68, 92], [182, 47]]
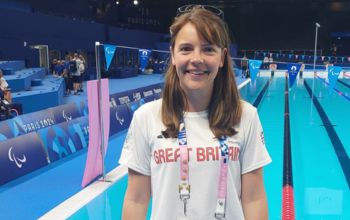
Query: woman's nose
[[197, 58]]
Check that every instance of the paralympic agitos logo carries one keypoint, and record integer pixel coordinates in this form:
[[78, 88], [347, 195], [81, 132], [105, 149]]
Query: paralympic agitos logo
[[109, 50], [19, 161], [66, 116], [255, 66]]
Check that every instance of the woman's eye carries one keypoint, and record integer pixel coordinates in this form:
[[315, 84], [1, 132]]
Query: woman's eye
[[185, 49], [209, 49]]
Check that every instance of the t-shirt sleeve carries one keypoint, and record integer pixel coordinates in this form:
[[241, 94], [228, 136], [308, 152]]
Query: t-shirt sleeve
[[136, 152], [254, 153]]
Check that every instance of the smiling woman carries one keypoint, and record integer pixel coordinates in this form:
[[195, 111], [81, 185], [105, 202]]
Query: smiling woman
[[196, 35], [221, 147], [197, 63]]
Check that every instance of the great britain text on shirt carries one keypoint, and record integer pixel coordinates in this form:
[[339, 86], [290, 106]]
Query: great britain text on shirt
[[171, 155]]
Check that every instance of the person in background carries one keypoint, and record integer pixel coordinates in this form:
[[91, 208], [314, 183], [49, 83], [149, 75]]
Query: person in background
[[53, 66], [3, 82], [244, 66], [59, 67], [270, 60], [6, 95], [150, 66], [200, 150], [75, 72], [6, 91], [82, 68], [67, 75], [266, 62]]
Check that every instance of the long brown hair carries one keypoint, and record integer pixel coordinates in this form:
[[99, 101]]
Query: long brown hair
[[224, 110]]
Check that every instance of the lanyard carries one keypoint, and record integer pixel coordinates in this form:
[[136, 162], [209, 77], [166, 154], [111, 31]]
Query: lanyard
[[185, 187]]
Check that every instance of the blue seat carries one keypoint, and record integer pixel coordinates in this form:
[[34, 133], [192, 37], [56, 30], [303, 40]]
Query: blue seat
[[36, 82], [8, 71]]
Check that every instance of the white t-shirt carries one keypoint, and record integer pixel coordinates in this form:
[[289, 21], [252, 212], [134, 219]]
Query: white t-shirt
[[149, 153], [80, 67], [3, 83]]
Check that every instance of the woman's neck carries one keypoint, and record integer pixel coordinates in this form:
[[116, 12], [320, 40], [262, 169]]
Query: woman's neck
[[197, 101]]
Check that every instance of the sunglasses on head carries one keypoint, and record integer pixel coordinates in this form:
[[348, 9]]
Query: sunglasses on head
[[188, 8]]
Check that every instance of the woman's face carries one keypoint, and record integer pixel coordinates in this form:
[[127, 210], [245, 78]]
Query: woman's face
[[197, 62]]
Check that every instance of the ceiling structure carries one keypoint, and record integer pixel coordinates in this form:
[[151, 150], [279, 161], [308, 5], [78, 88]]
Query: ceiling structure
[[254, 24]]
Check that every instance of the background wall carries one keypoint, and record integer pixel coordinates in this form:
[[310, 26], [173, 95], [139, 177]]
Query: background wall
[[61, 34]]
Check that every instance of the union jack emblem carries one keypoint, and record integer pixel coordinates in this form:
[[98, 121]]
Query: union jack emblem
[[182, 141]]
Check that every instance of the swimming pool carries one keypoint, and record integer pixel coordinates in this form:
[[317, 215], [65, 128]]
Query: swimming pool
[[320, 149]]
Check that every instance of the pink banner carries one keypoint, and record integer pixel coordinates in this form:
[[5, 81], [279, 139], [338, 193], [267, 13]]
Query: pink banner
[[93, 167]]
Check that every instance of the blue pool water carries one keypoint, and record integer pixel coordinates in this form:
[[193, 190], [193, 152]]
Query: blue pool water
[[321, 190]]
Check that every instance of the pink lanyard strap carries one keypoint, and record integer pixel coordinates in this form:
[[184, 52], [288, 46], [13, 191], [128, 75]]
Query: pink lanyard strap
[[183, 152], [222, 185], [185, 187]]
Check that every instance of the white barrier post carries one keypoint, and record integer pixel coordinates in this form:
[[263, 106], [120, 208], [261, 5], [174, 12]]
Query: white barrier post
[[98, 72]]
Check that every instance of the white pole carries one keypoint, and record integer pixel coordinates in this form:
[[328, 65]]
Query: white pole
[[316, 31], [98, 72], [313, 79]]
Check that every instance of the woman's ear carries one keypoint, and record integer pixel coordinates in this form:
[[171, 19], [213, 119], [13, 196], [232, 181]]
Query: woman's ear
[[223, 56]]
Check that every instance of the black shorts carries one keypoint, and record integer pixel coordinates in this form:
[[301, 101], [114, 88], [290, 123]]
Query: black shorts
[[77, 79]]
